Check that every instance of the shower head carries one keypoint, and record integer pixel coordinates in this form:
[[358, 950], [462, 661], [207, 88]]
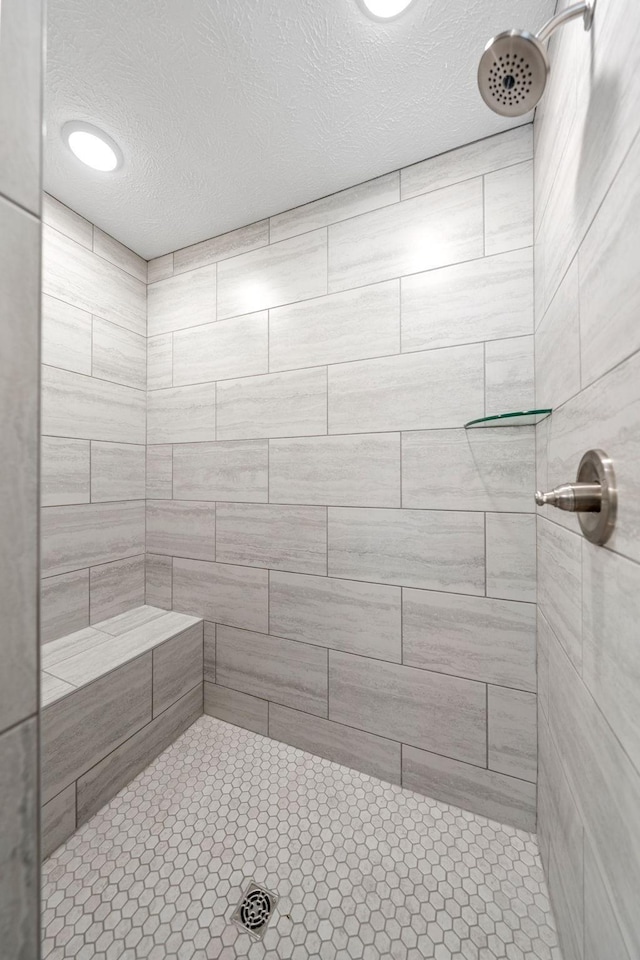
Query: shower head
[[514, 66]]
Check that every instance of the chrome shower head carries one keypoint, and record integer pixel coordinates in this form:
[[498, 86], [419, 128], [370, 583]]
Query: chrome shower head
[[514, 67]]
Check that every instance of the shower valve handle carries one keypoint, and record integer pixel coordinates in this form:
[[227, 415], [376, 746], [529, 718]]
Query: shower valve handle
[[577, 497]]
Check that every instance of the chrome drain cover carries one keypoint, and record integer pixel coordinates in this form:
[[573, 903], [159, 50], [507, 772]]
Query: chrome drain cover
[[254, 910]]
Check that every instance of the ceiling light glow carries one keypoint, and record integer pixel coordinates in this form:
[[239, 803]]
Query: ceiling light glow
[[93, 147], [385, 9]]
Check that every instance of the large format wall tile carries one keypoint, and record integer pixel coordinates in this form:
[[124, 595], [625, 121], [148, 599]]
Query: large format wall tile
[[64, 471], [509, 375], [485, 299], [119, 355], [508, 208], [560, 585], [342, 614], [474, 637], [443, 714], [511, 556], [428, 231], [358, 471], [182, 528], [114, 251], [409, 392], [91, 533], [116, 587], [77, 406], [66, 336], [182, 414], [294, 269], [275, 405], [238, 708], [160, 361], [220, 248], [512, 717], [474, 469], [177, 668], [290, 673], [181, 301], [57, 820], [558, 334], [158, 581], [353, 748], [412, 548], [159, 472], [232, 470], [222, 350], [117, 471], [222, 593], [65, 220], [352, 325], [74, 274], [64, 604], [280, 537]]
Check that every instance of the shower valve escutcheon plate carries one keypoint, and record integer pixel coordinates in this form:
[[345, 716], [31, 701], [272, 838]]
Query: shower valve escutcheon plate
[[593, 496]]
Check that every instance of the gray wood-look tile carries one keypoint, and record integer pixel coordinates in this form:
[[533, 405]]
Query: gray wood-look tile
[[602, 934], [19, 310], [359, 470], [90, 533], [508, 208], [95, 719], [19, 854], [160, 361], [485, 792], [352, 325], [475, 637], [66, 336], [544, 639], [294, 269], [182, 414], [274, 405], [227, 470], [118, 768], [241, 709], [160, 268], [558, 335], [65, 220], [509, 375], [472, 160], [345, 615], [484, 299], [74, 274], [181, 301], [209, 644], [158, 575], [222, 593], [86, 408], [511, 556], [119, 355], [64, 604], [131, 620], [324, 738], [116, 587], [293, 674], [220, 248], [116, 252], [64, 471], [117, 471], [74, 644], [177, 667], [443, 714], [411, 548], [282, 537], [476, 469], [610, 651], [512, 732], [418, 234], [560, 594], [53, 688], [21, 84], [222, 350], [366, 196], [606, 785], [182, 528], [58, 820], [408, 392], [159, 472]]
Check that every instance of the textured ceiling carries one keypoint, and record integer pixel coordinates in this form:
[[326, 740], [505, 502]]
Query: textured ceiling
[[228, 111]]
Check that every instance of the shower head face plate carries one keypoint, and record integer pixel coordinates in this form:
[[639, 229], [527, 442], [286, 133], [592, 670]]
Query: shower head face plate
[[513, 73]]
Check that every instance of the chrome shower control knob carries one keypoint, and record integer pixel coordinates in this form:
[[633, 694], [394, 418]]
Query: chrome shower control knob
[[576, 497], [593, 496]]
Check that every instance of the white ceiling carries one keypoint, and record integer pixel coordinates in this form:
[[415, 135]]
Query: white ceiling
[[228, 111]]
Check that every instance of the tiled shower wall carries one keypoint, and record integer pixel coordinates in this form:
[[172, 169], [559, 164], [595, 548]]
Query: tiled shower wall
[[21, 51], [366, 568], [587, 343], [93, 424]]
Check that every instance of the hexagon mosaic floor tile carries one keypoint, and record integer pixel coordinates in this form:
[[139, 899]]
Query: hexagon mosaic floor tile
[[362, 869]]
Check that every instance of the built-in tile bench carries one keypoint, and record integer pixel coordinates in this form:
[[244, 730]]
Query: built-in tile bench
[[114, 696]]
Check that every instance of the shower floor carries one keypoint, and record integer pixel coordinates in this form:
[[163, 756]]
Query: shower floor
[[363, 869]]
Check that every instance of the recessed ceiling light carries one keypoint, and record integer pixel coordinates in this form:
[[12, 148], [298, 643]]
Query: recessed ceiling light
[[92, 146], [385, 9]]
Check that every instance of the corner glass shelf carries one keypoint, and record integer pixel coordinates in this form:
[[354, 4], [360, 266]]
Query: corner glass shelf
[[520, 418]]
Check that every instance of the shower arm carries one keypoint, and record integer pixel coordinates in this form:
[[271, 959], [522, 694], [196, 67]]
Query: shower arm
[[583, 9]]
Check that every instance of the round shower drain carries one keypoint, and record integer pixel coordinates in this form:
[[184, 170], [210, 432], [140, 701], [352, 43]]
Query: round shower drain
[[255, 910]]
